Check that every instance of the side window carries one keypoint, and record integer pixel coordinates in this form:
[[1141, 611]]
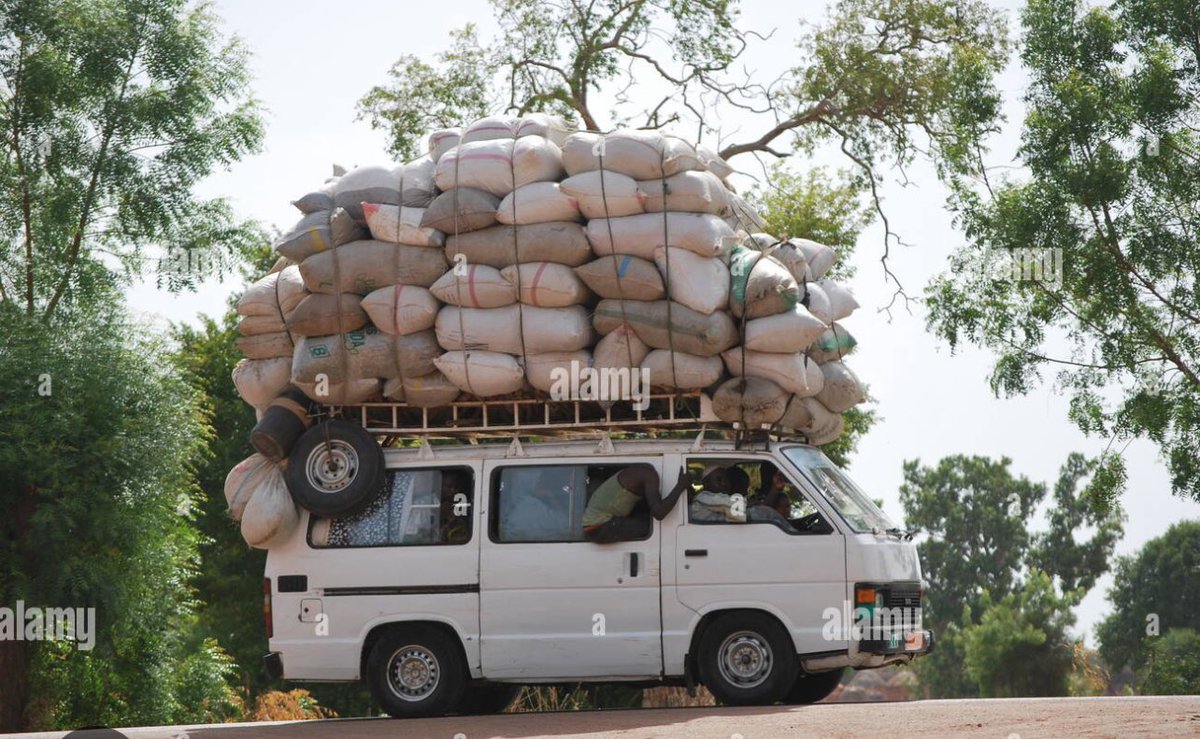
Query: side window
[[417, 507], [743, 491], [544, 503]]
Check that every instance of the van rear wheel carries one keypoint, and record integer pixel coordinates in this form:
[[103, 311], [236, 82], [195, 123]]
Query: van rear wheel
[[812, 687], [747, 659], [416, 671], [335, 468]]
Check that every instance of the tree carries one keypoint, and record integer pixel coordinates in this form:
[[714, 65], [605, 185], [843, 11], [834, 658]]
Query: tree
[[96, 452], [1088, 266], [110, 112], [883, 81], [1173, 664], [1153, 592], [977, 550], [1020, 645]]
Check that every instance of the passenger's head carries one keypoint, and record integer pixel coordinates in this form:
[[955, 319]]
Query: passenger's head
[[739, 481], [716, 479]]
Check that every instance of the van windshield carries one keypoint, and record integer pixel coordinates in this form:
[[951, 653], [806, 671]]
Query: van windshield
[[859, 511]]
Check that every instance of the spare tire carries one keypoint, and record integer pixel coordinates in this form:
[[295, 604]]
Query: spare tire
[[336, 467]]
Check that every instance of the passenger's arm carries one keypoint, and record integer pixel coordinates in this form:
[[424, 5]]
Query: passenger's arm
[[659, 506]]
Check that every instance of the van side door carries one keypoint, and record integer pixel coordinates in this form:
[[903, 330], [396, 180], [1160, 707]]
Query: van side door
[[552, 604]]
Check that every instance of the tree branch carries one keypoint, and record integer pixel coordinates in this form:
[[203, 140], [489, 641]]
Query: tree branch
[[813, 114]]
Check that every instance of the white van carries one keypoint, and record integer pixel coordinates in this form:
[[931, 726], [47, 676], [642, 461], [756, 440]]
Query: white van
[[470, 576]]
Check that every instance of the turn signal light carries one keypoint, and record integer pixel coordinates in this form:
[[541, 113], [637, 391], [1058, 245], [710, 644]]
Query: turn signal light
[[864, 596]]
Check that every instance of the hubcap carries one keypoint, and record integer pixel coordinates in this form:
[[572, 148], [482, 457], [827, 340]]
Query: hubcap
[[413, 673], [331, 466], [745, 659]]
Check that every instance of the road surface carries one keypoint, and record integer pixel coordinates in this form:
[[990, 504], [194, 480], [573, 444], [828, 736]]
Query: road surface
[[1016, 718]]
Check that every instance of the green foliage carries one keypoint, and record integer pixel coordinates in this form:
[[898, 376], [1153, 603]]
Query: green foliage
[[1153, 592], [99, 497], [112, 112], [1173, 665], [1020, 646], [1110, 144], [977, 550]]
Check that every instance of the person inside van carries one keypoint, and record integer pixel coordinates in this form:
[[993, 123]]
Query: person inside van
[[715, 503], [606, 518], [543, 513]]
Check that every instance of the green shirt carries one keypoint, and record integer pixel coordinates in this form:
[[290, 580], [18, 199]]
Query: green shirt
[[609, 500]]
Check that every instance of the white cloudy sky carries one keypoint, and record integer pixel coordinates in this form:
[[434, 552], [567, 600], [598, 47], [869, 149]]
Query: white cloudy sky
[[313, 60]]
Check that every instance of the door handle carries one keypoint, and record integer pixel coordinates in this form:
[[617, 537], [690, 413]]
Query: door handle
[[633, 564], [695, 552]]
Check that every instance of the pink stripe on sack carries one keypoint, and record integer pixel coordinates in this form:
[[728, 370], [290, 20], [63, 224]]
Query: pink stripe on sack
[[471, 286], [537, 277]]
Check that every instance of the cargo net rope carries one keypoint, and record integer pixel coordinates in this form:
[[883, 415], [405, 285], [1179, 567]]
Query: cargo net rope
[[576, 277]]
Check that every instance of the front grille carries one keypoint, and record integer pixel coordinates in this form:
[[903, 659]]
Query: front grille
[[903, 596]]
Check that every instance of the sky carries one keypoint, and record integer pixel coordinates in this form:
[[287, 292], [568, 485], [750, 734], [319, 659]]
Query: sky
[[312, 63]]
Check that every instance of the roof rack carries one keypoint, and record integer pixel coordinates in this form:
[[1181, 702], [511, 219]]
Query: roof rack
[[472, 419]]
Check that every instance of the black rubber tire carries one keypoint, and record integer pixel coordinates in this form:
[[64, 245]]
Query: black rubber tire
[[482, 700], [451, 672], [814, 686], [364, 472], [766, 631]]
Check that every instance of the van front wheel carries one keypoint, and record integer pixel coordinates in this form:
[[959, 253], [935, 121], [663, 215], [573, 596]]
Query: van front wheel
[[418, 671], [747, 659]]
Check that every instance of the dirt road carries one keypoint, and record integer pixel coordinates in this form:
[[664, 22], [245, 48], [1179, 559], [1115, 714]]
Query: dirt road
[[1018, 718]]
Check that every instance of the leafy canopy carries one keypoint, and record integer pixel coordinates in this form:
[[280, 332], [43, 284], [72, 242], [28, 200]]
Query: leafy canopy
[[1110, 205]]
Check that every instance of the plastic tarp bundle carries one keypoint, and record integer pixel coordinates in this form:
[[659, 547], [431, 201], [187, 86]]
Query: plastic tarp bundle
[[517, 249]]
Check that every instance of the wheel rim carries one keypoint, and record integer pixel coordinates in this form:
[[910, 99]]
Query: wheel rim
[[413, 673], [745, 659], [331, 466]]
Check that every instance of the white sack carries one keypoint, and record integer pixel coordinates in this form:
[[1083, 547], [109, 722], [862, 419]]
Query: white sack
[[482, 373], [700, 283], [401, 309], [702, 233]]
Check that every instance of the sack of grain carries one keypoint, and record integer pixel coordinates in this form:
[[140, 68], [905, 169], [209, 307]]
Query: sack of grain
[[833, 343], [275, 295], [362, 354], [619, 349], [783, 333], [751, 401], [817, 302], [442, 141], [682, 370], [642, 155], [664, 325], [401, 309], [499, 166], [546, 371], [482, 373], [623, 277], [789, 254], [321, 199], [427, 391], [700, 283], [537, 202], [365, 266], [605, 194], [795, 373], [317, 232], [259, 325], [825, 425], [265, 346], [320, 315], [241, 482], [687, 192], [415, 354], [760, 286], [461, 210], [702, 233], [474, 286], [713, 162], [546, 284], [259, 381], [506, 127], [500, 329], [841, 302], [499, 246], [270, 516], [409, 184], [842, 389], [796, 416], [398, 225], [818, 257]]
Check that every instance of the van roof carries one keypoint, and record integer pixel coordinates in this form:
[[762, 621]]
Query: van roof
[[577, 449]]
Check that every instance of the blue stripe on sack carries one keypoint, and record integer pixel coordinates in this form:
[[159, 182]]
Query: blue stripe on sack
[[624, 265]]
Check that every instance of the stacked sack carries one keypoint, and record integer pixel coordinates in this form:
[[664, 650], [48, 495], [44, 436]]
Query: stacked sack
[[517, 247]]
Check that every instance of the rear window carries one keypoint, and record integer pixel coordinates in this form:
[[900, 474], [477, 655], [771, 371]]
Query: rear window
[[546, 503]]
